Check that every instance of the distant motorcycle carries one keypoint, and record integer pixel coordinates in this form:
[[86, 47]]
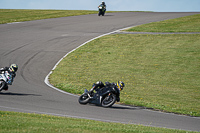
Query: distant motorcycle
[[5, 79], [105, 96], [102, 10]]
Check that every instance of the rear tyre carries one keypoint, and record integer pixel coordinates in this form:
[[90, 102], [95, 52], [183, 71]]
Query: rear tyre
[[83, 99], [108, 101]]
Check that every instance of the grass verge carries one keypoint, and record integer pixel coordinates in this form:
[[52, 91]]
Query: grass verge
[[160, 71], [11, 122], [183, 24], [16, 15]]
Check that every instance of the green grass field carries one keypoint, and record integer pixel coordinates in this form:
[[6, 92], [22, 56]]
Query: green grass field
[[13, 15], [183, 24], [160, 71], [11, 122]]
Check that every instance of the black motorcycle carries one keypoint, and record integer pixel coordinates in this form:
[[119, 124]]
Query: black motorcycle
[[105, 96], [102, 11]]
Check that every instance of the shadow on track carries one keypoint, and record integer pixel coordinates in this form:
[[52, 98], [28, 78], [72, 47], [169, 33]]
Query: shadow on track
[[18, 94], [108, 15], [118, 107], [128, 107]]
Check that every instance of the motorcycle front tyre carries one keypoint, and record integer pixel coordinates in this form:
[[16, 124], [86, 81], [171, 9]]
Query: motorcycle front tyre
[[99, 13], [2, 85], [84, 99], [105, 103]]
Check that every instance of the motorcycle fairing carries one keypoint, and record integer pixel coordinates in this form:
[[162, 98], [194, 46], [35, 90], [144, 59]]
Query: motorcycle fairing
[[97, 98]]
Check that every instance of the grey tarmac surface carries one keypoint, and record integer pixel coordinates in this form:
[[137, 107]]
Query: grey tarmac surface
[[36, 46]]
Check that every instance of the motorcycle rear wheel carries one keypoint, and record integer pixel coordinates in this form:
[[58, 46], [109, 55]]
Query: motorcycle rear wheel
[[2, 85], [84, 99], [108, 101]]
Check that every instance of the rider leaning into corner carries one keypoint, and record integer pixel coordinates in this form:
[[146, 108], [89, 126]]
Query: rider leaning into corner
[[103, 5], [11, 70], [118, 86]]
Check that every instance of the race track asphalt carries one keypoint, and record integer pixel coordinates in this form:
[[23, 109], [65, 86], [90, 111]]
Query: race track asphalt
[[36, 46]]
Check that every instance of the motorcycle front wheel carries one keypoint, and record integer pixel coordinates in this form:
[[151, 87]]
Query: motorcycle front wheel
[[2, 85], [109, 100], [99, 13], [84, 98]]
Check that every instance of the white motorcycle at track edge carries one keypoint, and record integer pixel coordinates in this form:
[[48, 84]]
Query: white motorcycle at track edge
[[5, 79]]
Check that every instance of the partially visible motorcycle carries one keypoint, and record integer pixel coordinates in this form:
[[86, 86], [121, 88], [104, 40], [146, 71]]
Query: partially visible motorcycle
[[5, 79], [102, 10], [105, 96]]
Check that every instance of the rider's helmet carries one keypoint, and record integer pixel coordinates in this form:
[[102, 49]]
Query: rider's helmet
[[103, 3], [13, 67], [120, 85]]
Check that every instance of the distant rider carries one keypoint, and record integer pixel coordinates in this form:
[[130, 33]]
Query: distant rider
[[103, 5], [11, 70], [118, 86]]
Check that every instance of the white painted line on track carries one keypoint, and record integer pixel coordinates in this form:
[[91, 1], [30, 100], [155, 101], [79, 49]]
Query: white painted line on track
[[46, 80], [15, 22]]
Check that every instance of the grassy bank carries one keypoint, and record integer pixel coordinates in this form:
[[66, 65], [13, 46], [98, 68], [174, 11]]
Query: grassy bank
[[11, 122], [15, 15], [183, 24], [160, 71]]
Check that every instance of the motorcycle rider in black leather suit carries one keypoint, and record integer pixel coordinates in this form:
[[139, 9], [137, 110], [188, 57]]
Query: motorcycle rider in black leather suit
[[103, 5]]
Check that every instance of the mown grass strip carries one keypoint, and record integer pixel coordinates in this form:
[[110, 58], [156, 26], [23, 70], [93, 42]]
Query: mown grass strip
[[11, 122], [160, 71], [16, 15], [183, 24]]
